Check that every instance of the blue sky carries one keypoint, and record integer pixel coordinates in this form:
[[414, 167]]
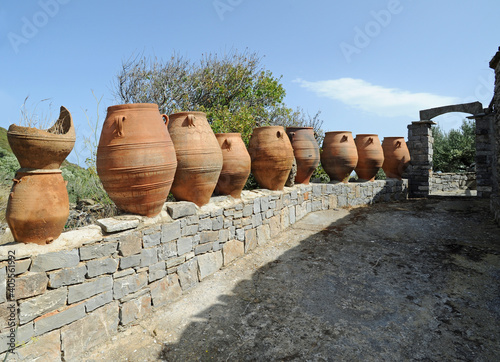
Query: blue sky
[[368, 66]]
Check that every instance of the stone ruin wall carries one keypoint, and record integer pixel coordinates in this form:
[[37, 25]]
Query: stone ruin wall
[[79, 291], [450, 182], [495, 197]]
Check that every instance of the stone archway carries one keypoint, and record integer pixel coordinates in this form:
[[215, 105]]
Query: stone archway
[[420, 144]]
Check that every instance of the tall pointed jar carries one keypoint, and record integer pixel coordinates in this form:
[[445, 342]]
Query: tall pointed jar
[[236, 165], [339, 156], [370, 154], [396, 156], [38, 204], [136, 158], [199, 157], [306, 152], [272, 156]]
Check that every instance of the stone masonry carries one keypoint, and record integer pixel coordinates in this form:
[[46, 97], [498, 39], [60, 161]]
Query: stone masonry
[[448, 182], [419, 172], [80, 290], [495, 197]]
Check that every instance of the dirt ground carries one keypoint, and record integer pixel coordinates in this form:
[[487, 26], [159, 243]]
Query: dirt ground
[[417, 280]]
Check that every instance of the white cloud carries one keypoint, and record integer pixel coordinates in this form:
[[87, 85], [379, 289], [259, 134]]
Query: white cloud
[[385, 102]]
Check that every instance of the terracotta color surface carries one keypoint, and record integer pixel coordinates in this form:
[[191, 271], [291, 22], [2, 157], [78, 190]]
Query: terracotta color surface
[[136, 158], [38, 206], [40, 149], [396, 156], [272, 156], [199, 157], [339, 156], [370, 156], [305, 150], [236, 164]]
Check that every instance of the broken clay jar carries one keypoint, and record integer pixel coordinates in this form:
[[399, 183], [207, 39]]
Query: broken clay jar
[[39, 149], [396, 156], [306, 152], [236, 164], [199, 157], [339, 156], [272, 156], [136, 158], [38, 206]]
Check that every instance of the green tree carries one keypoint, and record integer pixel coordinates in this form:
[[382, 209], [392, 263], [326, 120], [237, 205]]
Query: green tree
[[454, 151]]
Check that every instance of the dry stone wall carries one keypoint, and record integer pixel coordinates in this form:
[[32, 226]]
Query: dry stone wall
[[495, 197], [78, 292], [449, 182]]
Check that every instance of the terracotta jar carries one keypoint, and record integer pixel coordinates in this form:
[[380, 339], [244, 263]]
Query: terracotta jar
[[370, 154], [396, 156], [306, 152], [199, 157], [236, 164], [339, 156], [38, 206], [136, 158], [35, 148], [272, 156]]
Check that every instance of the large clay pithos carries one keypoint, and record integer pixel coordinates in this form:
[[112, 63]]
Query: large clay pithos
[[199, 157], [370, 156], [38, 206], [396, 156], [272, 156], [236, 164], [43, 149], [136, 158], [306, 152], [339, 156]]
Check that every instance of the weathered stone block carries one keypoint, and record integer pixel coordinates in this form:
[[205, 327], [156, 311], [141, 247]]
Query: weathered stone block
[[67, 276], [135, 309], [22, 266], [45, 303], [205, 224], [55, 260], [101, 266], [208, 236], [173, 262], [208, 264], [96, 251], [43, 348], [232, 250], [166, 290], [149, 257], [28, 285], [203, 248], [256, 206], [150, 240], [240, 234], [184, 245], [250, 240], [188, 274], [157, 271], [130, 261], [189, 230], [223, 235], [217, 223], [180, 209], [86, 290], [130, 244], [256, 220], [129, 284], [170, 231], [247, 210], [263, 234], [98, 301], [167, 250], [275, 225], [112, 225], [93, 330]]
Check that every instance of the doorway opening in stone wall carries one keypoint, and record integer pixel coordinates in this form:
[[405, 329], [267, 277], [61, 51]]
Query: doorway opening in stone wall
[[462, 150]]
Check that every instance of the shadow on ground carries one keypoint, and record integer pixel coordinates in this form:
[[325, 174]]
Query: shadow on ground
[[416, 280]]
